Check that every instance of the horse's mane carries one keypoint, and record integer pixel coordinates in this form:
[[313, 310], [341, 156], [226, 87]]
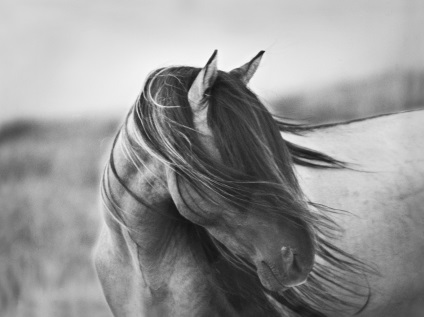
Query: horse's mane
[[256, 162]]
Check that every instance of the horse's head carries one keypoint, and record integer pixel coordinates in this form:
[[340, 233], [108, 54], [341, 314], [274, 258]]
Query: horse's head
[[228, 168]]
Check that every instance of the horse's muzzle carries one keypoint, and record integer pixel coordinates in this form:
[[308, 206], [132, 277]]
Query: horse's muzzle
[[284, 272]]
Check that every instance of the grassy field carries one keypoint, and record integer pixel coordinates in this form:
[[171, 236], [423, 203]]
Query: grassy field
[[49, 215], [384, 93]]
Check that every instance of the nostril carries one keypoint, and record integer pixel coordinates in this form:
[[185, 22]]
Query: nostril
[[295, 271], [288, 257]]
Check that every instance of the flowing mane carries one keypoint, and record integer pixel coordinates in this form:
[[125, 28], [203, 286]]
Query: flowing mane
[[256, 168]]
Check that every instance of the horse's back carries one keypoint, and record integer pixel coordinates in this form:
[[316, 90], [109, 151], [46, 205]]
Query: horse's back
[[373, 143], [384, 157], [384, 192]]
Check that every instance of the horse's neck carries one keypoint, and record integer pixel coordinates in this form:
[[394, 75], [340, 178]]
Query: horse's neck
[[164, 248], [168, 249]]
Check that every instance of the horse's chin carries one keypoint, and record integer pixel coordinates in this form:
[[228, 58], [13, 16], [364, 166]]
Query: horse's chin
[[269, 279]]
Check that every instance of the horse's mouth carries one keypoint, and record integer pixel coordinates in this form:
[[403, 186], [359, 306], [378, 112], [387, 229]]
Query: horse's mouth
[[270, 279]]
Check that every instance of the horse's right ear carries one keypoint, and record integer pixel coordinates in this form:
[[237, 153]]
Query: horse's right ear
[[203, 82], [246, 72]]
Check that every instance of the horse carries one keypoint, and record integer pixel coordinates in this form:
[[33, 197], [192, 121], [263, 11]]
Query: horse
[[213, 206]]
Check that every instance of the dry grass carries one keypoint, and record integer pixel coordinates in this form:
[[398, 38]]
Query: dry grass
[[49, 218], [385, 93]]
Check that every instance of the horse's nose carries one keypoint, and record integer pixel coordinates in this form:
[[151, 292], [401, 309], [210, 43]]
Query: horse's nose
[[296, 269]]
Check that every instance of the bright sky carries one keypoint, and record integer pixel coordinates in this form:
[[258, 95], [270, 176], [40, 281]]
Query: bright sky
[[76, 58]]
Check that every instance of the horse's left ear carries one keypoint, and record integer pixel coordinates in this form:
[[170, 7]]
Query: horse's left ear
[[202, 83], [246, 72]]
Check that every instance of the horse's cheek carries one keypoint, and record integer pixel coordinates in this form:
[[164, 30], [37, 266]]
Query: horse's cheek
[[233, 240]]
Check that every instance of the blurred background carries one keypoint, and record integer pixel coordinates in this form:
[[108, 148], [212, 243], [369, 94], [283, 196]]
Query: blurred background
[[70, 69]]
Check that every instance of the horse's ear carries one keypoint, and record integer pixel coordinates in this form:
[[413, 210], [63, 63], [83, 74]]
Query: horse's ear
[[203, 82], [246, 72]]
